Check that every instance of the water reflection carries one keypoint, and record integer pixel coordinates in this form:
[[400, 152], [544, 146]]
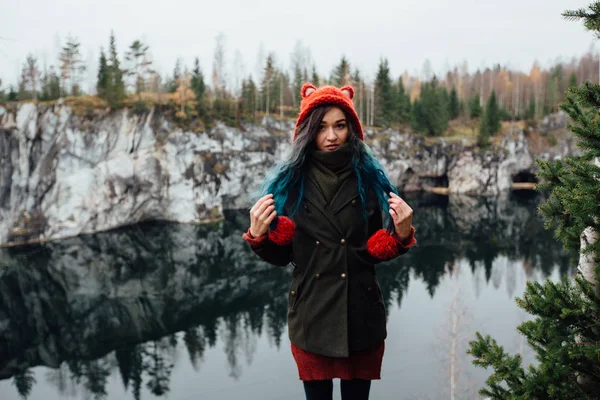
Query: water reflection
[[127, 300]]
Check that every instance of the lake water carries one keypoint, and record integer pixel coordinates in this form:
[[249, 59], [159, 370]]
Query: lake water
[[188, 312]]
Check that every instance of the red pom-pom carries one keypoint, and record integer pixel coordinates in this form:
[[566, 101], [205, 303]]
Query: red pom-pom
[[382, 245], [284, 231]]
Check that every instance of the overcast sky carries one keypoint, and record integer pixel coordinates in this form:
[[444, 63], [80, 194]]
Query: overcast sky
[[407, 32]]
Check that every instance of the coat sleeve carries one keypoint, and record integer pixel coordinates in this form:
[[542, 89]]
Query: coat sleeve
[[265, 248], [382, 246]]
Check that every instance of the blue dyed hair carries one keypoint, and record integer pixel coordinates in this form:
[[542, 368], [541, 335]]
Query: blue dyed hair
[[289, 174]]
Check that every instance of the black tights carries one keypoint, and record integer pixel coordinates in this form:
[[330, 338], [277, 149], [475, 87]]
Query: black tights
[[356, 389]]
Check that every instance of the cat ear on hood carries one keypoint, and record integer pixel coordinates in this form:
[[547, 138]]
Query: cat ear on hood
[[307, 89], [348, 91]]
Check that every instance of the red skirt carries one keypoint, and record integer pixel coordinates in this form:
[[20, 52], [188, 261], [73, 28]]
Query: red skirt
[[360, 365]]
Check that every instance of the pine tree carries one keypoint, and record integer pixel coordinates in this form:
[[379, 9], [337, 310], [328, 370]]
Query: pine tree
[[359, 97], [565, 331], [341, 74], [483, 139], [300, 59], [31, 76], [417, 117], [103, 76], [140, 65], [50, 82], [454, 104], [431, 113], [72, 66], [384, 95], [24, 94], [402, 109], [115, 93], [475, 107], [248, 99], [270, 85], [44, 83], [53, 89], [552, 95], [12, 95], [492, 115], [298, 82], [572, 79], [198, 87], [172, 84], [315, 77]]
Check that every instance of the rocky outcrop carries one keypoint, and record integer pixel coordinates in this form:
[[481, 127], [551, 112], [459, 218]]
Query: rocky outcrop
[[64, 173]]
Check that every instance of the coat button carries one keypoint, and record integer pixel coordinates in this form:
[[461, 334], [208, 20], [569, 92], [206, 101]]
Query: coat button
[[354, 202], [317, 276], [306, 208], [293, 292], [317, 243], [343, 276], [369, 288], [342, 241]]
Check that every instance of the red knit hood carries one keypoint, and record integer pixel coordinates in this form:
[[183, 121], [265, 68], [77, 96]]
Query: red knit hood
[[328, 95]]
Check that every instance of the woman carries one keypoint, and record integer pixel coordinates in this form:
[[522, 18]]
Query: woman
[[322, 210]]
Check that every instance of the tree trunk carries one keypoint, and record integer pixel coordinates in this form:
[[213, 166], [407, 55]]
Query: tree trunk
[[267, 106], [281, 99], [181, 96], [481, 102], [372, 105], [363, 101], [588, 262], [517, 97], [586, 266]]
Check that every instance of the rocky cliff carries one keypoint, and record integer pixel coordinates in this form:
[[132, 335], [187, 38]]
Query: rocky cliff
[[64, 173]]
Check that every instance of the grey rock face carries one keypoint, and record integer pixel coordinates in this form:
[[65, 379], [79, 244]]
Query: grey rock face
[[64, 174]]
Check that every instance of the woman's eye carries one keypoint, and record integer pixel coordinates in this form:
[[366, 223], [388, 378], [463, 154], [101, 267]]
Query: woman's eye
[[341, 126], [323, 127]]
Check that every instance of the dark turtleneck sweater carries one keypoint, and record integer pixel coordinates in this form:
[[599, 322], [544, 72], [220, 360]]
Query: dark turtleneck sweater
[[329, 169]]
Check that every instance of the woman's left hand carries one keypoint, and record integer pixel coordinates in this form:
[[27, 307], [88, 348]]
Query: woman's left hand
[[401, 215]]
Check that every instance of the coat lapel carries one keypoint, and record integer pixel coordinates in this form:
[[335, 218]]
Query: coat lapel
[[313, 194], [347, 192]]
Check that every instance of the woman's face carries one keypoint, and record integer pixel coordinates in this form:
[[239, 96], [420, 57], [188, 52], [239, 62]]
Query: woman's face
[[333, 131]]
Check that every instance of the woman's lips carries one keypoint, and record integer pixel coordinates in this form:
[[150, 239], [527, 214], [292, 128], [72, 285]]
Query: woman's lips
[[332, 146]]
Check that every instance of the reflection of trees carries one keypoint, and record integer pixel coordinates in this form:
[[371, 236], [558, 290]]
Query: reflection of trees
[[451, 343], [158, 367], [60, 378], [194, 343], [479, 230], [130, 364], [276, 317], [231, 345], [92, 374], [89, 305], [24, 381], [117, 300]]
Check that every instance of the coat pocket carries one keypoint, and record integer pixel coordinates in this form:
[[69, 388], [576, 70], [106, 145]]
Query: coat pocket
[[293, 293], [299, 274], [372, 291]]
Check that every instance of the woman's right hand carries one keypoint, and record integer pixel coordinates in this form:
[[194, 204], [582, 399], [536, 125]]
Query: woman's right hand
[[261, 216]]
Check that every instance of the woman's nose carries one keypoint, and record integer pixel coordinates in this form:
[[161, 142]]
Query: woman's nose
[[331, 133]]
